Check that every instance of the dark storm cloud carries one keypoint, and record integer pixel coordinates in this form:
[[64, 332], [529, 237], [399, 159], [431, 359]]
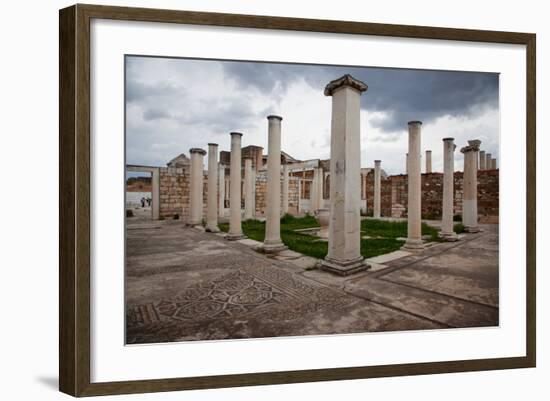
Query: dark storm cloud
[[137, 91], [403, 94]]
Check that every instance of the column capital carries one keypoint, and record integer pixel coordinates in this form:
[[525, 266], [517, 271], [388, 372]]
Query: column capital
[[197, 150], [236, 134], [213, 144], [473, 146], [415, 122], [274, 117], [448, 139], [343, 81], [377, 162]]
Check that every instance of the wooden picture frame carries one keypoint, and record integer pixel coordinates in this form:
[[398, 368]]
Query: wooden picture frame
[[74, 203]]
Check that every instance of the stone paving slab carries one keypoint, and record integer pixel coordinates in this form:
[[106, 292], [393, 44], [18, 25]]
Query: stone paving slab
[[183, 284]]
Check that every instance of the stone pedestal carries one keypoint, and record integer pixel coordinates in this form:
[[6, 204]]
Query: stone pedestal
[[482, 160], [284, 206], [377, 189], [344, 242], [414, 209], [235, 229], [272, 241], [447, 223], [249, 190], [212, 199], [428, 161], [221, 190], [469, 197], [196, 186]]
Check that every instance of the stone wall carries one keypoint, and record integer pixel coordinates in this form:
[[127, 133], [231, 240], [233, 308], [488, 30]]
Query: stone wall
[[261, 193], [174, 194], [394, 194]]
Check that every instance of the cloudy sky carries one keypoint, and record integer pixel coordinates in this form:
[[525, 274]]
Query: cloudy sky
[[173, 105]]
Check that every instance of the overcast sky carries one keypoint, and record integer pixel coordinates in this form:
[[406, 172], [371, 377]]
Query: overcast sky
[[173, 105]]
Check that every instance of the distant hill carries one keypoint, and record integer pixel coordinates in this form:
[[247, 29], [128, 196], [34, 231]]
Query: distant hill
[[138, 184]]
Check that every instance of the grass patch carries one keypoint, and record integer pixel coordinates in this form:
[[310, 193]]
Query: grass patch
[[383, 235]]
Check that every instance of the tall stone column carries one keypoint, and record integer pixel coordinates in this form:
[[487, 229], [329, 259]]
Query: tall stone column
[[493, 163], [482, 160], [407, 164], [195, 187], [488, 161], [469, 197], [317, 189], [156, 193], [414, 209], [344, 242], [221, 188], [248, 190], [428, 161], [272, 241], [284, 206], [212, 199], [235, 229], [377, 189], [447, 223]]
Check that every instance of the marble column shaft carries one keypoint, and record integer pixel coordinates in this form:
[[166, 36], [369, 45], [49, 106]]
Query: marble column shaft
[[469, 197], [488, 161], [212, 195], [344, 247], [447, 222], [248, 189], [221, 190], [235, 228], [428, 161], [414, 209], [284, 206], [196, 186], [377, 189], [493, 163], [482, 160], [272, 241]]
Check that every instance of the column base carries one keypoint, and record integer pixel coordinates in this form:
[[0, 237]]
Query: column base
[[449, 237], [413, 245], [235, 237], [344, 268], [212, 229], [272, 247], [471, 230], [193, 223]]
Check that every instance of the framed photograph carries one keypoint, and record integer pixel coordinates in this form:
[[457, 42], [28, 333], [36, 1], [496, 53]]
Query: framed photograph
[[250, 200]]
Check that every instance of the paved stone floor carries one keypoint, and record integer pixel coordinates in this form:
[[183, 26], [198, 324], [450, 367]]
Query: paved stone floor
[[184, 284]]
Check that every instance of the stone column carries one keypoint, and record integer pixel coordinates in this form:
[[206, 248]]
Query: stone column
[[212, 200], [447, 223], [195, 187], [482, 160], [488, 161], [156, 193], [272, 241], [493, 163], [344, 242], [221, 188], [377, 186], [469, 197], [317, 189], [414, 209], [248, 190], [284, 206], [235, 229], [407, 164], [428, 161]]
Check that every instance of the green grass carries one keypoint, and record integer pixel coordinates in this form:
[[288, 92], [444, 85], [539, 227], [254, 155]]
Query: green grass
[[383, 235]]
